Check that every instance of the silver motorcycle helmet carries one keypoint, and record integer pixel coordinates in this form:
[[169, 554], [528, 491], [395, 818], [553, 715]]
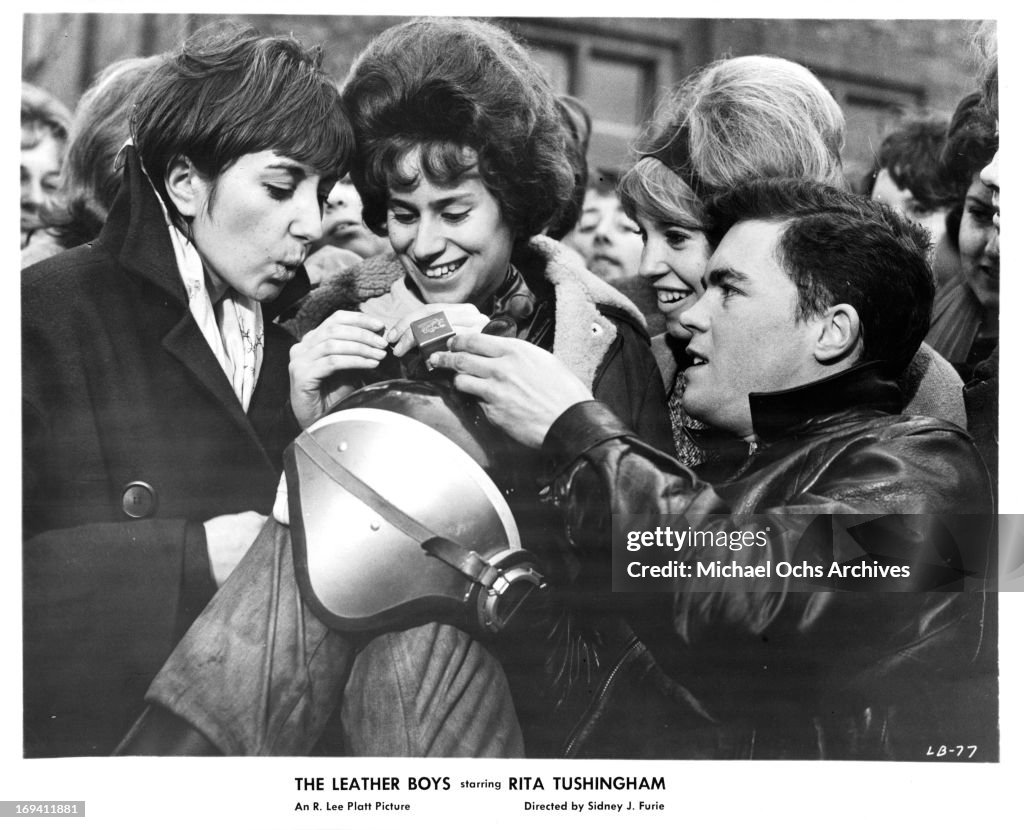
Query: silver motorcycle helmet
[[399, 513]]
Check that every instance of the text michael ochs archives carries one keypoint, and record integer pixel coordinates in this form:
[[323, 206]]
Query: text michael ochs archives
[[795, 552]]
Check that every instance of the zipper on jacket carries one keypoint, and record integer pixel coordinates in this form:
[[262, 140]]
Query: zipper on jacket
[[594, 707]]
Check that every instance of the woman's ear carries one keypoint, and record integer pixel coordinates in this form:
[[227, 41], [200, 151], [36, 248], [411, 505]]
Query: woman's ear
[[839, 336], [186, 187]]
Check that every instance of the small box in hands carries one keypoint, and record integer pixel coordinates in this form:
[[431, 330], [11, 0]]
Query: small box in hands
[[432, 333]]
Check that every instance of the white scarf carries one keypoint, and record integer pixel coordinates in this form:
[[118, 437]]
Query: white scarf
[[235, 335], [234, 331]]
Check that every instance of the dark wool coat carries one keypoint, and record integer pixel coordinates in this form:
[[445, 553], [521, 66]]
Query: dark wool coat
[[132, 438]]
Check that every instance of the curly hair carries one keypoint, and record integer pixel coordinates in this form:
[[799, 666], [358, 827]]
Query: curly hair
[[229, 92], [458, 93]]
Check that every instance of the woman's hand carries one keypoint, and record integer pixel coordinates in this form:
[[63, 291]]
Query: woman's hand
[[463, 317], [323, 362], [522, 388]]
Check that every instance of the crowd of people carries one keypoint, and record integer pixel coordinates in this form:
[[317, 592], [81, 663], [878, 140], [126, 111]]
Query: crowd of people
[[228, 254]]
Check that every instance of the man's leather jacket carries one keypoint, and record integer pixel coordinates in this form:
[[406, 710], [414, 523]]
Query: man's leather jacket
[[894, 670]]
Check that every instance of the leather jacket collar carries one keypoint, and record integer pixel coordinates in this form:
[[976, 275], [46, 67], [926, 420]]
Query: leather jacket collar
[[861, 387], [778, 414]]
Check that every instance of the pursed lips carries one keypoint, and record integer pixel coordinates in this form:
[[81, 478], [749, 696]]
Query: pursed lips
[[290, 266]]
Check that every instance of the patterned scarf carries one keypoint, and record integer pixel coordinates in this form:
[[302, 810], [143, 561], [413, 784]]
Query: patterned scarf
[[232, 327], [683, 425]]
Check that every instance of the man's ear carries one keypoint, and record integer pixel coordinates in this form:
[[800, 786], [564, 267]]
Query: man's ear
[[839, 336], [186, 187]]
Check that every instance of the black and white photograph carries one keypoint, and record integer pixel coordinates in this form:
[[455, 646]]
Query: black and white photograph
[[538, 416]]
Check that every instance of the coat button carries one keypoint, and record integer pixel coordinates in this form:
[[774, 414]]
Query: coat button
[[138, 500]]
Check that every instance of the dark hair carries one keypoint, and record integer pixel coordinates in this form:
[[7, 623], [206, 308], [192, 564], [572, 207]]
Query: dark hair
[[577, 123], [439, 87], [911, 154], [970, 145], [842, 248], [228, 92], [90, 177], [42, 113]]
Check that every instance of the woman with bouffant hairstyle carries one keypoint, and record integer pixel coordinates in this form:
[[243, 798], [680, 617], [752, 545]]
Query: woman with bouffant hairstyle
[[435, 88], [461, 159], [732, 121], [751, 117]]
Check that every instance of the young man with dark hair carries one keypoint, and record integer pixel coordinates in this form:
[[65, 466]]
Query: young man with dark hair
[[908, 175], [814, 301]]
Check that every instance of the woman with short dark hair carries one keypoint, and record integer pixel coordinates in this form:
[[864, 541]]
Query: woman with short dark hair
[[965, 320], [154, 384], [460, 160]]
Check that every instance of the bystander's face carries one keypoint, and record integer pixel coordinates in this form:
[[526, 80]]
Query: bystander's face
[[745, 333], [979, 245], [254, 223], [674, 258], [452, 239], [343, 223], [902, 199], [40, 175], [607, 238]]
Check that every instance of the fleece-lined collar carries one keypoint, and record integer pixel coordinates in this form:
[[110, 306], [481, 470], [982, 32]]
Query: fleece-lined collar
[[583, 333]]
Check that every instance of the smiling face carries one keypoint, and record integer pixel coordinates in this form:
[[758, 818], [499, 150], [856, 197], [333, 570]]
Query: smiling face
[[40, 175], [674, 258], [745, 333], [451, 238], [607, 238], [979, 245], [253, 224]]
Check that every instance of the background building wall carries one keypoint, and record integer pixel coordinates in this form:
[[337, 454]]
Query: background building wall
[[618, 67]]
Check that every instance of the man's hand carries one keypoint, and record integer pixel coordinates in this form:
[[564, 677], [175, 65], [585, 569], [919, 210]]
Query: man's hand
[[463, 317], [323, 362], [228, 537], [522, 388]]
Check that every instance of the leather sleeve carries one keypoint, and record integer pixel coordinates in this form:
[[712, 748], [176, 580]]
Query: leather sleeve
[[769, 634], [629, 383]]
